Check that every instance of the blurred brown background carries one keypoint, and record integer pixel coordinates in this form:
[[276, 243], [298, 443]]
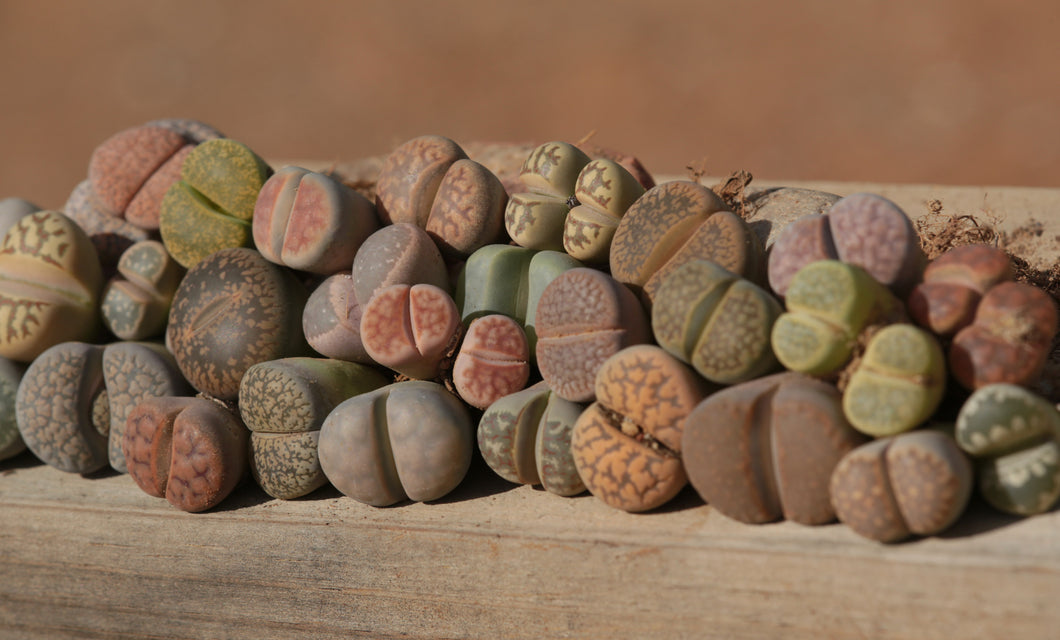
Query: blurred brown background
[[954, 91]]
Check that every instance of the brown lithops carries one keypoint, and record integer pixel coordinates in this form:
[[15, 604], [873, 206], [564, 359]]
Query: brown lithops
[[916, 483], [50, 279], [953, 285], [674, 223], [627, 444], [399, 253], [233, 310], [61, 408], [190, 451], [11, 443], [110, 235], [584, 317], [765, 449]]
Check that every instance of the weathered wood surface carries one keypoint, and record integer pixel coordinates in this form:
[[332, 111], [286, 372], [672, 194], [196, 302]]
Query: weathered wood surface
[[97, 558]]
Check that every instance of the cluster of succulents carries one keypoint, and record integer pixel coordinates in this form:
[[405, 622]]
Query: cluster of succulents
[[194, 316]]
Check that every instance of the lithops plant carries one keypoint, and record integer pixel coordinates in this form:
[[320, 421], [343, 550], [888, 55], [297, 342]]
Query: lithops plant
[[1014, 437], [429, 181], [772, 209], [525, 438], [110, 236], [627, 444], [510, 280], [12, 209], [190, 451], [132, 373], [62, 410], [50, 281], [11, 443], [604, 191], [583, 318], [1009, 340], [399, 253], [493, 360], [863, 229], [410, 440], [211, 207], [135, 302], [310, 221], [829, 303], [284, 403], [535, 218], [410, 329], [331, 320], [674, 223], [765, 449], [898, 383], [231, 311], [915, 483], [954, 283], [716, 321]]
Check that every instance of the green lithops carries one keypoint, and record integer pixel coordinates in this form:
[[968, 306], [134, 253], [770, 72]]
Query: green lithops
[[525, 438], [898, 383], [828, 304], [11, 443], [605, 189], [212, 206], [284, 403], [536, 218], [136, 301], [1014, 437], [716, 321]]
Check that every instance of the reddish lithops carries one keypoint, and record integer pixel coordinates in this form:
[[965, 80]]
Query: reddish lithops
[[953, 285], [410, 329], [190, 451], [311, 222], [627, 444], [493, 360], [584, 317], [1009, 340]]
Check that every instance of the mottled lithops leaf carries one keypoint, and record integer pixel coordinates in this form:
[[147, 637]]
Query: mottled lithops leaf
[[410, 176], [605, 190], [136, 302], [493, 360], [410, 329]]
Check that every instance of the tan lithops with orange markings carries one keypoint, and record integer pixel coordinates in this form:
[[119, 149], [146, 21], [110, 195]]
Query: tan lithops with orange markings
[[584, 317], [493, 361], [627, 444], [605, 190], [953, 285], [914, 483], [676, 222], [50, 280], [190, 451], [409, 178], [410, 328]]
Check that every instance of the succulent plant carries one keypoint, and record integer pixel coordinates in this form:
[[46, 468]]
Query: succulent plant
[[135, 303], [493, 360], [954, 283], [11, 443], [410, 329], [604, 191], [536, 218]]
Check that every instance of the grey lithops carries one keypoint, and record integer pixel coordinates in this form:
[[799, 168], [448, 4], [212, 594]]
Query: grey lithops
[[332, 320], [284, 403], [61, 408], [133, 372], [136, 301], [234, 309], [11, 443], [1014, 436]]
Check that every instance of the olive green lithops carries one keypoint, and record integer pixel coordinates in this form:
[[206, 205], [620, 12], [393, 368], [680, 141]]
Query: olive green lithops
[[62, 410], [136, 301], [212, 205], [898, 383], [716, 321], [604, 191], [1014, 437], [50, 280], [132, 373], [284, 403], [828, 304], [410, 440], [536, 218], [233, 310], [525, 438], [11, 443]]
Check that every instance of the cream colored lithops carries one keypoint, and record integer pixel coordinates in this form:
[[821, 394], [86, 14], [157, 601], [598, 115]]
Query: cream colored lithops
[[1014, 435], [50, 279], [535, 219], [604, 192]]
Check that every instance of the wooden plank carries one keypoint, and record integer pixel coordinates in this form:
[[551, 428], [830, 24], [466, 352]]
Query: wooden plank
[[94, 557]]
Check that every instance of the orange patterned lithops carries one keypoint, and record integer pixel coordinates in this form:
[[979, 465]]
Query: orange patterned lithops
[[627, 444], [50, 279]]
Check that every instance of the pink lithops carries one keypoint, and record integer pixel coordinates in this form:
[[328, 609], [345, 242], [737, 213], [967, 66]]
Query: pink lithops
[[862, 229], [310, 221], [132, 170], [493, 361], [583, 317], [410, 328]]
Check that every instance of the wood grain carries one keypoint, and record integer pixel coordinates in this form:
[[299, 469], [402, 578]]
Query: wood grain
[[95, 557]]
